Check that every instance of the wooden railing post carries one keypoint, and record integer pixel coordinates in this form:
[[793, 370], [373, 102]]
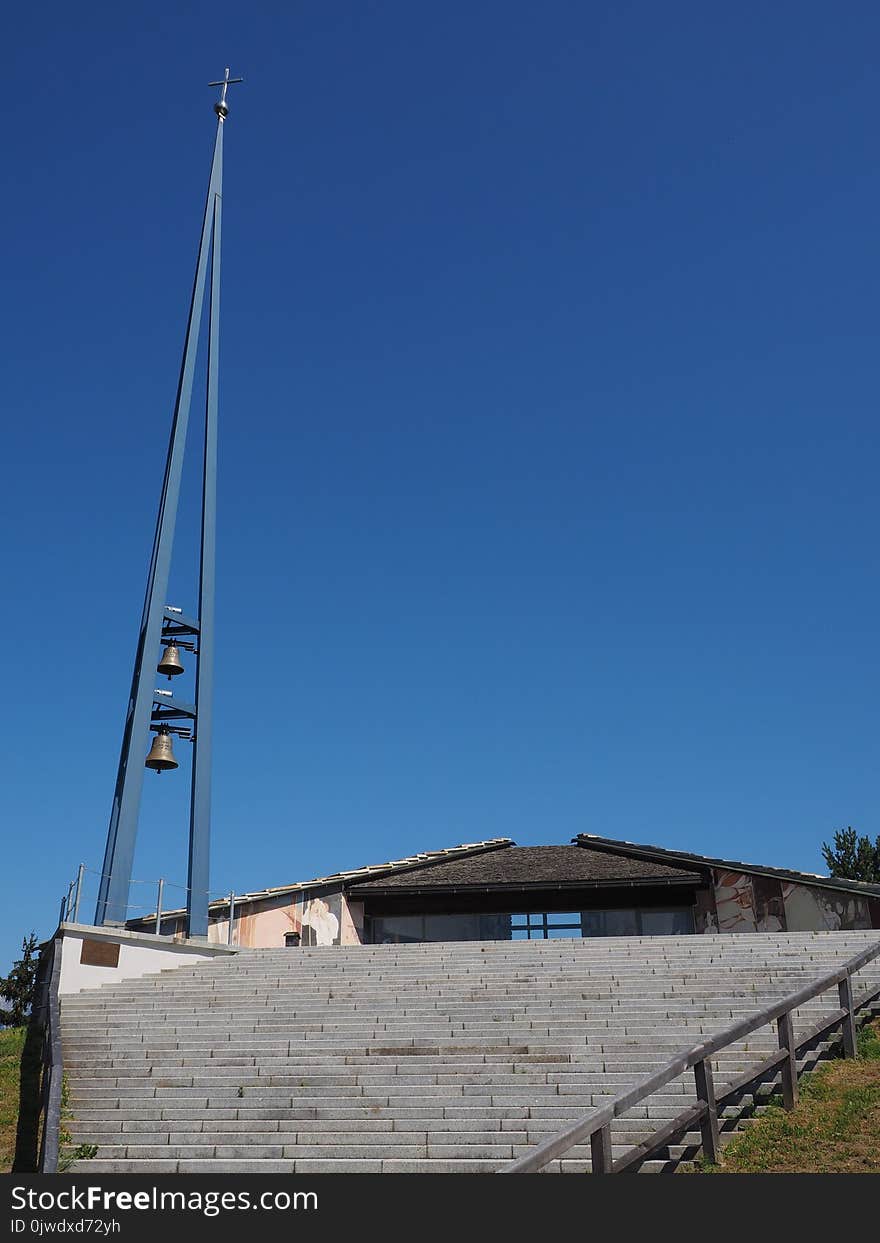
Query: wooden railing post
[[844, 991], [600, 1151], [785, 1031], [709, 1121]]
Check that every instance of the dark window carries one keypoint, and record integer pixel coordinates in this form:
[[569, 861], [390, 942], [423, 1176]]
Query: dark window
[[647, 922], [530, 925], [400, 929]]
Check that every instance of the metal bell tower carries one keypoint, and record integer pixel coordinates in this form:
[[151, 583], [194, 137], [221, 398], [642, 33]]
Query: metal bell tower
[[155, 711]]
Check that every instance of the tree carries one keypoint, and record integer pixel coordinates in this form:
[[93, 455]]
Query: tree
[[19, 986], [853, 857]]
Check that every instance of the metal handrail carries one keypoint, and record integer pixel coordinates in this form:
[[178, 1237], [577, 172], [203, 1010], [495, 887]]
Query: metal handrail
[[53, 1068], [597, 1126]]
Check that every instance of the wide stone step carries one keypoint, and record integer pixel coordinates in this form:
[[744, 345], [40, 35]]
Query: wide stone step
[[104, 1001], [498, 1147], [268, 998], [259, 990], [536, 1034], [277, 1088], [150, 989], [595, 1053], [330, 1130], [281, 1075], [126, 1021], [330, 983], [292, 1166]]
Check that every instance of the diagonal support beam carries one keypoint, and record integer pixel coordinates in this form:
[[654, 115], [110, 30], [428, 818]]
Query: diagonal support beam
[[200, 802], [122, 832]]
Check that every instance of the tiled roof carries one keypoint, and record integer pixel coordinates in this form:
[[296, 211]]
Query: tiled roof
[[425, 859], [340, 878], [531, 867], [633, 850]]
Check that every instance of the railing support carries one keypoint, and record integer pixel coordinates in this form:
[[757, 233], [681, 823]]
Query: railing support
[[159, 906], [600, 1151], [785, 1034], [79, 885], [709, 1121], [845, 993]]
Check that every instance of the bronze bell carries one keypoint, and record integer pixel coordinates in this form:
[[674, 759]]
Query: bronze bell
[[161, 755], [170, 662]]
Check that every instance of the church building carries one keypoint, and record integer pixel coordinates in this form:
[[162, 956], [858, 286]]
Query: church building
[[495, 890]]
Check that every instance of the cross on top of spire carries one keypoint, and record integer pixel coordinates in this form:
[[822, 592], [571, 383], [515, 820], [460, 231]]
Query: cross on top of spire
[[220, 107]]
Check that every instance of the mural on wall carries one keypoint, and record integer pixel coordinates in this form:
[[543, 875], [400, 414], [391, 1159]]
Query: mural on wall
[[808, 909], [705, 914], [320, 920], [291, 919], [734, 902], [769, 904]]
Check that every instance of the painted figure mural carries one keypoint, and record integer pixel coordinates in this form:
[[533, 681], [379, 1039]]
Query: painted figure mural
[[323, 924], [735, 902]]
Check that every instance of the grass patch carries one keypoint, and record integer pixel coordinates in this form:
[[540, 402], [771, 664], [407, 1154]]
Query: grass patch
[[11, 1044], [835, 1128], [869, 1042]]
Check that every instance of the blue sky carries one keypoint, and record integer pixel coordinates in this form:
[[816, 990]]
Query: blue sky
[[548, 446]]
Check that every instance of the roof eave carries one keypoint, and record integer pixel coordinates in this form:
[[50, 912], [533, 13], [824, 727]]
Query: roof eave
[[632, 882], [658, 854]]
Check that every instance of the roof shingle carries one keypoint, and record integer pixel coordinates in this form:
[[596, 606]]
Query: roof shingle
[[528, 866]]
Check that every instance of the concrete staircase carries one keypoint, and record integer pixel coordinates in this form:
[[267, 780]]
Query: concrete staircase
[[454, 1057]]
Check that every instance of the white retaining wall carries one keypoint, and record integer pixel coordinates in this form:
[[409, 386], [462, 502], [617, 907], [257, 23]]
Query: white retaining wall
[[140, 953]]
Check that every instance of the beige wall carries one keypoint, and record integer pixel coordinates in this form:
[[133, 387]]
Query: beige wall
[[352, 922], [319, 918]]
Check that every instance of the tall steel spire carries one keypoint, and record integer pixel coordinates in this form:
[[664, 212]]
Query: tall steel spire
[[148, 709]]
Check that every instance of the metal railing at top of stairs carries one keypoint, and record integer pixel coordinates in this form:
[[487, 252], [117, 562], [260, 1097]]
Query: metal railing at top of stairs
[[597, 1126]]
